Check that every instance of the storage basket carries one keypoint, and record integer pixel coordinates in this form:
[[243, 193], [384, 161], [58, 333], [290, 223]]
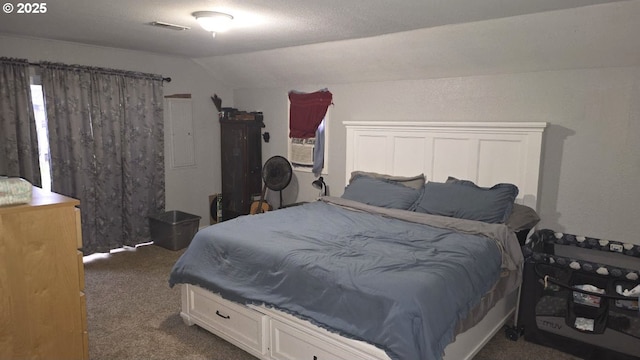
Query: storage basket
[[174, 229]]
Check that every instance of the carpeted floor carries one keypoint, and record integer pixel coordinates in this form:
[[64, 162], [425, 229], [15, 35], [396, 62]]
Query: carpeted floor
[[133, 314]]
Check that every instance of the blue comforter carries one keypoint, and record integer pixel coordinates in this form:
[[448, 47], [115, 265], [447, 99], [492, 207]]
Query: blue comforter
[[388, 279]]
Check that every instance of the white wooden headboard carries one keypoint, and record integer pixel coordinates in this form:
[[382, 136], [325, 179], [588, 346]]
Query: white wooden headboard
[[486, 153]]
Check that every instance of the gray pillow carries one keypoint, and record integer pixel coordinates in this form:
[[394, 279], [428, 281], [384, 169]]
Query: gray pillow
[[415, 182], [381, 193], [465, 200], [522, 218]]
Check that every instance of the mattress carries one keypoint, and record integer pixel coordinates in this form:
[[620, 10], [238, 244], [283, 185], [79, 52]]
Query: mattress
[[397, 279]]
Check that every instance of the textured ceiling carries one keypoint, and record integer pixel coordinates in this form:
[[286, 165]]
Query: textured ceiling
[[600, 36], [258, 24]]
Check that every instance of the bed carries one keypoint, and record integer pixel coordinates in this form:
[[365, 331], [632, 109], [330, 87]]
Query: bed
[[371, 275]]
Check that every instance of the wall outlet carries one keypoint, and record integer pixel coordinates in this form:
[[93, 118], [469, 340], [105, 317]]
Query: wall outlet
[[615, 247]]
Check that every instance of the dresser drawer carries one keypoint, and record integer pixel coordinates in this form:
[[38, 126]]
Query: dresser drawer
[[85, 333], [80, 263], [239, 323], [78, 228], [293, 343]]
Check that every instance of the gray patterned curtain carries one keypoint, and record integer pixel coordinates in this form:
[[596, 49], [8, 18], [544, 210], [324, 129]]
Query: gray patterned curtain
[[18, 137], [106, 133]]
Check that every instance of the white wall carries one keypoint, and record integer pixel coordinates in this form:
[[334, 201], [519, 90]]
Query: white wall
[[590, 167], [187, 189], [577, 69]]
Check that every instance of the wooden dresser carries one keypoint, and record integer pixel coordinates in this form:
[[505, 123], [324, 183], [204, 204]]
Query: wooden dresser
[[42, 304]]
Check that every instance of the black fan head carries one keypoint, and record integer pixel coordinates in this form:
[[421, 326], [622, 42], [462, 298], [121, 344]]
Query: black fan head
[[276, 173]]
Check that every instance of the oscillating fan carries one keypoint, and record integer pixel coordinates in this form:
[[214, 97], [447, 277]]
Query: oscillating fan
[[276, 174]]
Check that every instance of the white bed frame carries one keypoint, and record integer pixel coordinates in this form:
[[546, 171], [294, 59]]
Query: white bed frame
[[484, 152]]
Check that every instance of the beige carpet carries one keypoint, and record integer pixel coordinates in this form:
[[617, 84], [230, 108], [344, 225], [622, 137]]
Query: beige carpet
[[133, 314]]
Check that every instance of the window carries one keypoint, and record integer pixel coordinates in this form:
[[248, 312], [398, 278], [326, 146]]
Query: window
[[309, 130], [302, 152], [37, 98]]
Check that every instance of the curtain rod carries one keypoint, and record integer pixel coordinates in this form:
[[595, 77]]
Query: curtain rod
[[164, 79]]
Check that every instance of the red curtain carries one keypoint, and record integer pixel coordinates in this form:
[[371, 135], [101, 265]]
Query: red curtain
[[306, 112]]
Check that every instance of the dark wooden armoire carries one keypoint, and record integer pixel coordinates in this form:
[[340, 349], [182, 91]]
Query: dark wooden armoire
[[241, 165]]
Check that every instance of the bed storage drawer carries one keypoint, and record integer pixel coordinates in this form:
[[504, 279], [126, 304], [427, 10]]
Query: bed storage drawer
[[292, 343], [238, 324]]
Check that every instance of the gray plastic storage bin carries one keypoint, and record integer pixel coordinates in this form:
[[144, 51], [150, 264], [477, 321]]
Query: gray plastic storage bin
[[174, 229]]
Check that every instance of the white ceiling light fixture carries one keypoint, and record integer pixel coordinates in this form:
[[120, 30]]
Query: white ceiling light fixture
[[213, 21]]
